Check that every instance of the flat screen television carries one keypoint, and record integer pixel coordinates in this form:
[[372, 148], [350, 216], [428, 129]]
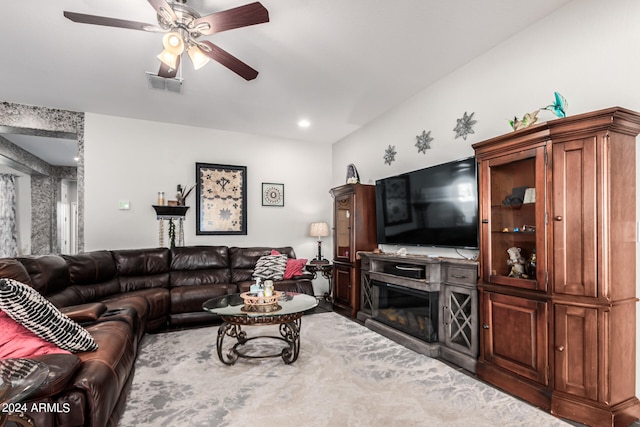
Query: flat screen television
[[434, 206]]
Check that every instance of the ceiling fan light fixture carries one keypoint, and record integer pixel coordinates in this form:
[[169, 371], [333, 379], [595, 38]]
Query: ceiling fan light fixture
[[168, 58], [198, 58], [173, 43]]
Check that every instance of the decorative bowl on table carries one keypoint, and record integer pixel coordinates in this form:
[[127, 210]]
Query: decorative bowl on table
[[254, 303]]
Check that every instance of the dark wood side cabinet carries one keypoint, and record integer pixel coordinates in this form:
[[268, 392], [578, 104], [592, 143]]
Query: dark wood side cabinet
[[354, 230], [560, 331]]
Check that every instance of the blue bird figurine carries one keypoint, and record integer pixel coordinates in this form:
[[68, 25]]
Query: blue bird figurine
[[559, 108]]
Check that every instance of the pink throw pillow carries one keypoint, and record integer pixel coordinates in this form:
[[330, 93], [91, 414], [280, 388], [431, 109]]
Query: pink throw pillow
[[16, 341], [295, 267]]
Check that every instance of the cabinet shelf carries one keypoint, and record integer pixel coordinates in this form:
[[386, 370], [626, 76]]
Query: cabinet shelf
[[514, 207], [511, 233]]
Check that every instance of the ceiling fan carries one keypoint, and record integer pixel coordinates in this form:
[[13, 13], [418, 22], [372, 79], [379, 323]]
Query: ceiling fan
[[182, 27]]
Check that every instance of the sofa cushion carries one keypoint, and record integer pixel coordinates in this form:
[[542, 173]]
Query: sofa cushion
[[17, 341], [188, 299], [49, 273], [11, 268], [142, 268], [270, 267], [90, 267], [27, 307], [199, 265]]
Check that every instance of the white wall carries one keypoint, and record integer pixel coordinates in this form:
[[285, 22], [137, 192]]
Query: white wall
[[588, 51], [132, 160]]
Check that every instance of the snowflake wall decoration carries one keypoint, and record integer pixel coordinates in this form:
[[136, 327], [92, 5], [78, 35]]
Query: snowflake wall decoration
[[423, 142], [465, 126], [390, 154]]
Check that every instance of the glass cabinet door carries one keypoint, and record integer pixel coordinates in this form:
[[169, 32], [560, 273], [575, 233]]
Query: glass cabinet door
[[514, 220], [343, 212]]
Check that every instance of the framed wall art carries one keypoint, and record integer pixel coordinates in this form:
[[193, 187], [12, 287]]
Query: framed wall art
[[272, 194], [221, 192]]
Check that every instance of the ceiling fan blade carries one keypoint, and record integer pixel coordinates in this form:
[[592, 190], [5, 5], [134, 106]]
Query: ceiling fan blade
[[243, 16], [168, 73], [163, 9], [111, 22], [229, 61]]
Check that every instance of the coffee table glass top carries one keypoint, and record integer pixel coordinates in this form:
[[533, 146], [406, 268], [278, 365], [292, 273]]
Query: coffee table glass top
[[19, 377], [233, 305]]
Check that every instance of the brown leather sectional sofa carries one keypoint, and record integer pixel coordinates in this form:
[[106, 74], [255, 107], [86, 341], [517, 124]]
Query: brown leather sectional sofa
[[118, 296]]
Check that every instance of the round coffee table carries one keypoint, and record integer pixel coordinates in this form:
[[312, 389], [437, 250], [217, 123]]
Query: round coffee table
[[18, 379], [235, 314]]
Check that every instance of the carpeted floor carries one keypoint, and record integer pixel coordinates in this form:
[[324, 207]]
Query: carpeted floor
[[346, 375]]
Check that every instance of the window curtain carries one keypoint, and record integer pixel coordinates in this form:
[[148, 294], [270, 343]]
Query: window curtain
[[8, 229]]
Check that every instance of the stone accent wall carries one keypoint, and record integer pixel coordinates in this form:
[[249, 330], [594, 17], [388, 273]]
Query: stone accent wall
[[32, 120]]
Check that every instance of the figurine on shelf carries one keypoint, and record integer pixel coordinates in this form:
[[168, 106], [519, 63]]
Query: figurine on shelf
[[516, 262], [516, 198], [181, 196], [532, 263]]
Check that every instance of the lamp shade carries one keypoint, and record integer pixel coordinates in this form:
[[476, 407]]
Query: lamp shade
[[198, 58], [173, 47], [169, 59], [173, 43], [319, 229]]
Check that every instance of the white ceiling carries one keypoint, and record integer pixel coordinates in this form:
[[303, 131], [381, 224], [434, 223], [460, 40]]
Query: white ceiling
[[338, 63]]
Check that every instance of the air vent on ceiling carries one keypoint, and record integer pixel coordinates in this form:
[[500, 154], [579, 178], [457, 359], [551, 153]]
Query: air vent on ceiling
[[162, 83]]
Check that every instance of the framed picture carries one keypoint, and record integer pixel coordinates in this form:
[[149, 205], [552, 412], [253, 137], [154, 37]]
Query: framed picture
[[396, 209], [272, 194], [221, 193]]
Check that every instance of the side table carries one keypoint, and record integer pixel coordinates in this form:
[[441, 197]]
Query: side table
[[18, 379], [326, 269]]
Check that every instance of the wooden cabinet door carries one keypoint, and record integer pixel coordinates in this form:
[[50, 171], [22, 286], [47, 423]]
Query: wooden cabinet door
[[515, 335], [512, 209], [343, 235], [576, 351], [342, 285], [574, 218]]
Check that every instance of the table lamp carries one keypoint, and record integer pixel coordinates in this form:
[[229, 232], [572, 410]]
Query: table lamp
[[319, 230]]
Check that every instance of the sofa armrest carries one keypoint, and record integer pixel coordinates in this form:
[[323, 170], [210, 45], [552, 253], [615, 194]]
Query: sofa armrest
[[62, 367], [83, 313]]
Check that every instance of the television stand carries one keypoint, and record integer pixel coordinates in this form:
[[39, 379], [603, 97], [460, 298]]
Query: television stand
[[427, 304]]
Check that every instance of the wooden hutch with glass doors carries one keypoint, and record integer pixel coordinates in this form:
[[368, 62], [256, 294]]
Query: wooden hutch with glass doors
[[354, 230], [558, 265]]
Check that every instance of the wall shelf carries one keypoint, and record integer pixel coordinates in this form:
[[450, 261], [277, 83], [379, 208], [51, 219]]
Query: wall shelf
[[170, 212]]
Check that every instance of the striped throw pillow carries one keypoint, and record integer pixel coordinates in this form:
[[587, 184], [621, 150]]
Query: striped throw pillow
[[270, 267], [26, 306]]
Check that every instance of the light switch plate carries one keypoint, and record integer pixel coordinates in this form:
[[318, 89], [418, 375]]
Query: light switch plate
[[123, 205]]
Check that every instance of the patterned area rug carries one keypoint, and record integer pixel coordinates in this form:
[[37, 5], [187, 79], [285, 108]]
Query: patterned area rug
[[346, 375]]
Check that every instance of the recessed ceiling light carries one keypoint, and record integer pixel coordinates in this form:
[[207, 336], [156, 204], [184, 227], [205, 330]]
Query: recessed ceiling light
[[304, 123]]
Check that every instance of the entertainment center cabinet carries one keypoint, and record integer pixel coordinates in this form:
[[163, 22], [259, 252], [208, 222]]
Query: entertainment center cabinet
[[427, 304], [560, 332]]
